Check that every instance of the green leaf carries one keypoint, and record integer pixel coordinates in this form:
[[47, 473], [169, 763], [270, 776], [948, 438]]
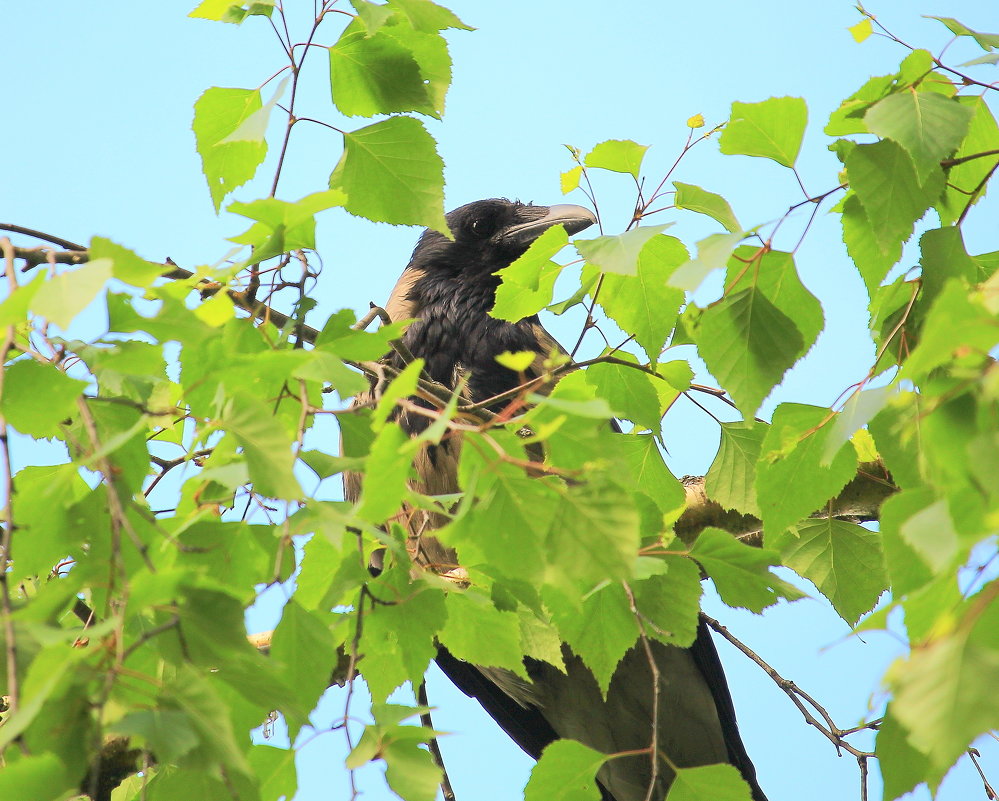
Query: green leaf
[[266, 446], [429, 17], [227, 165], [924, 523], [898, 435], [864, 247], [991, 58], [671, 601], [700, 200], [629, 392], [713, 252], [38, 397], [525, 505], [772, 129], [167, 731], [943, 691], [709, 783], [773, 273], [617, 155], [943, 257], [642, 304], [528, 283], [731, 477], [410, 771], [845, 561], [849, 117], [233, 11], [956, 323], [378, 73], [282, 226], [339, 337], [41, 777], [963, 179], [791, 481], [14, 308], [569, 180], [254, 127], [857, 413], [469, 614], [326, 367], [861, 30], [389, 463], [125, 265], [593, 536], [741, 573], [565, 772], [391, 173], [403, 385], [43, 503], [903, 768], [649, 473], [373, 16], [602, 633], [69, 293], [40, 686], [275, 769], [207, 712], [748, 344], [398, 641], [618, 253], [306, 650], [518, 361], [893, 197], [928, 125], [987, 41]]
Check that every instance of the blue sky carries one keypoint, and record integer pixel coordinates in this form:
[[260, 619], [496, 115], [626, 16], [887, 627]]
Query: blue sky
[[97, 140]]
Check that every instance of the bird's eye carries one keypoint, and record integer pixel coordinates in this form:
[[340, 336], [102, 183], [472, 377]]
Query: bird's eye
[[482, 227]]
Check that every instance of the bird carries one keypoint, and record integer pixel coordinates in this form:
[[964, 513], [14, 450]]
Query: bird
[[447, 289]]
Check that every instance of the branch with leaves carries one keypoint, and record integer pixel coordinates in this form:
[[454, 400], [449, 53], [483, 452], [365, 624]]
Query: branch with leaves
[[196, 427]]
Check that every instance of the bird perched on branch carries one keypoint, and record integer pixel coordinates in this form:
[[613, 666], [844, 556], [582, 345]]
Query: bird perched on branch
[[448, 288]]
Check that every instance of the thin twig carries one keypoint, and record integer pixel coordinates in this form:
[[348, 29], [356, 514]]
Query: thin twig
[[55, 240], [990, 793], [10, 646], [432, 744], [832, 732], [654, 669]]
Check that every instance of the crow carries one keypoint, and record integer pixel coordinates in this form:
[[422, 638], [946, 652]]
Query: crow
[[448, 288]]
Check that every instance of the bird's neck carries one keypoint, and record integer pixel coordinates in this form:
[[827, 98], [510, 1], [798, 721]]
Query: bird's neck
[[455, 334]]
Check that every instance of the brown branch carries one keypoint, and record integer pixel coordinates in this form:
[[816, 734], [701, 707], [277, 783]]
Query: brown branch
[[859, 501], [798, 697], [10, 646], [55, 240], [954, 162]]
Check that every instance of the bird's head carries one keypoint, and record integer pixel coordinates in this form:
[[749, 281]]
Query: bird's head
[[490, 234]]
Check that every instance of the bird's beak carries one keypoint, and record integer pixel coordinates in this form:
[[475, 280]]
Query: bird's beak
[[574, 218]]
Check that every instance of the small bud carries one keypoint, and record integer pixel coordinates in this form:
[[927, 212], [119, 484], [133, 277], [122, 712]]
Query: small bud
[[697, 121]]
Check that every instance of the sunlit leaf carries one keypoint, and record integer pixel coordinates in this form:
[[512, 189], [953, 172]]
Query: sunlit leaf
[[730, 479], [773, 129], [844, 560], [748, 345], [618, 253], [700, 200], [928, 125], [565, 772], [617, 155], [391, 173], [218, 113]]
